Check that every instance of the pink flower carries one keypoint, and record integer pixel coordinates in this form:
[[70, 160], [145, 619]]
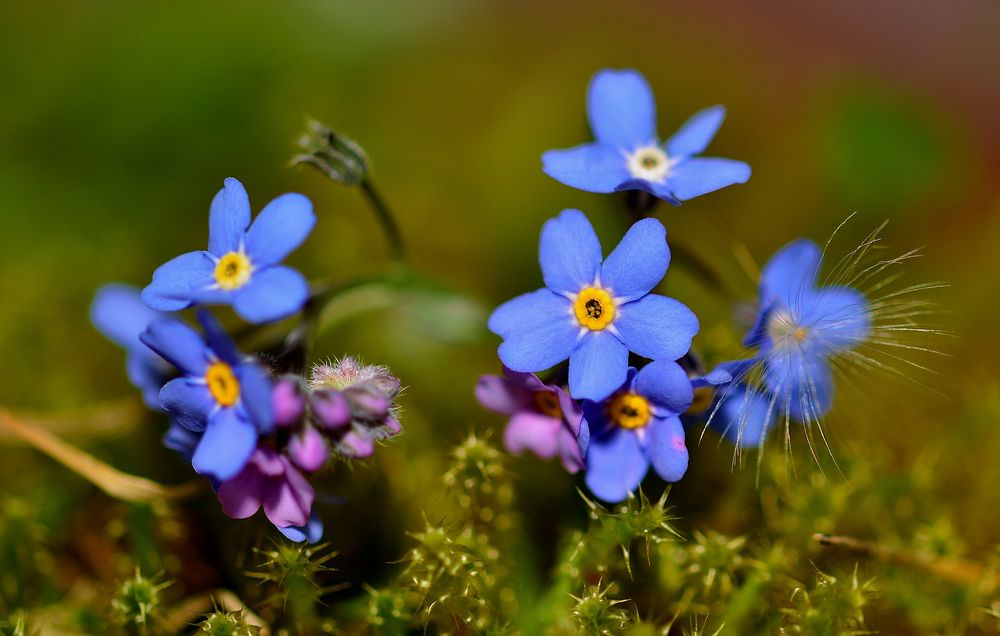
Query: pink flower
[[268, 480]]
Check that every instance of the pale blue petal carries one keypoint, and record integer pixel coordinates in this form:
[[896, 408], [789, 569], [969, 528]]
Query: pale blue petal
[[666, 449], [217, 338], [666, 385], [181, 439], [174, 280], [119, 314], [227, 444], [638, 263], [621, 109], [271, 294], [228, 218], [836, 318], [803, 384], [744, 416], [543, 334], [658, 190], [188, 400], [615, 465], [694, 136], [657, 327], [790, 273], [178, 344], [597, 366], [147, 371], [255, 392], [700, 175], [279, 229], [591, 167], [312, 532], [569, 252]]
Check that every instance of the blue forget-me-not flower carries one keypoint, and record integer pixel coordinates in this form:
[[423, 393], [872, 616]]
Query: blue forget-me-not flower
[[637, 426], [628, 155], [121, 316], [221, 395], [242, 267], [594, 313]]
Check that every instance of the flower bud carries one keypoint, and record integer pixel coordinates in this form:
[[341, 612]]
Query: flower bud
[[356, 444], [308, 449], [333, 154], [330, 408], [367, 403], [287, 401]]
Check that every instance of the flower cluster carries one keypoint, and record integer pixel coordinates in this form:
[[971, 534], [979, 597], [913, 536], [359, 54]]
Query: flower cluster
[[257, 438], [620, 378]]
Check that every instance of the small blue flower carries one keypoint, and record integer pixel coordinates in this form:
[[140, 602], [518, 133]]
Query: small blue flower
[[743, 415], [594, 313], [241, 266], [220, 395], [121, 316], [799, 327], [628, 154], [637, 426]]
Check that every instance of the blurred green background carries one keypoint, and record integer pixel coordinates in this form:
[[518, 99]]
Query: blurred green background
[[118, 122]]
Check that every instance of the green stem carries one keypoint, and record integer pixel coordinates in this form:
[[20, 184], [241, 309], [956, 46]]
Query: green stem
[[385, 219]]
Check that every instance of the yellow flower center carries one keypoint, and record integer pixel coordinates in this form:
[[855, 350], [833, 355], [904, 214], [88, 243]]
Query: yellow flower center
[[233, 270], [649, 163], [629, 410], [547, 403], [594, 308], [783, 329], [222, 383]]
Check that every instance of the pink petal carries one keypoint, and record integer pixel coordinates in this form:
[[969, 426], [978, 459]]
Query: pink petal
[[532, 431]]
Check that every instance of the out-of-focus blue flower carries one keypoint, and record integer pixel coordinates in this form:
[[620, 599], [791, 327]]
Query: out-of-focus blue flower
[[544, 419], [594, 313], [242, 267], [799, 326], [637, 426], [743, 415], [221, 395], [121, 316], [628, 154]]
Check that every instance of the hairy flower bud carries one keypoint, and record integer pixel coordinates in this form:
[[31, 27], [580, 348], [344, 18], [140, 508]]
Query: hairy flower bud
[[287, 401], [308, 449], [330, 408]]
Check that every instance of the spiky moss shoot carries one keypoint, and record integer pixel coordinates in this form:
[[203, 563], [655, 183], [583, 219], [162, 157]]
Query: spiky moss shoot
[[834, 606], [16, 625], [294, 570], [387, 611], [137, 600], [598, 615], [226, 624]]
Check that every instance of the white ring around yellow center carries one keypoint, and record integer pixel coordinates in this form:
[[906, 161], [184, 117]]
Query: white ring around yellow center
[[594, 308], [233, 270]]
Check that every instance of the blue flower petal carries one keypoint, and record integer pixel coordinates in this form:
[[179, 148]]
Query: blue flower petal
[[119, 314], [227, 444], [837, 318], [146, 371], [178, 344], [667, 385], [658, 190], [621, 109], [790, 273], [228, 218], [311, 532], [744, 416], [597, 366], [591, 167], [639, 261], [181, 439], [694, 136], [279, 229], [187, 399], [271, 294], [700, 175], [716, 377], [666, 449], [537, 329], [657, 327], [569, 252], [217, 339], [174, 280], [255, 392], [803, 384], [615, 465]]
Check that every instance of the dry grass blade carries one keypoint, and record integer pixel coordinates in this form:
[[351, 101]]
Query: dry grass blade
[[112, 481]]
